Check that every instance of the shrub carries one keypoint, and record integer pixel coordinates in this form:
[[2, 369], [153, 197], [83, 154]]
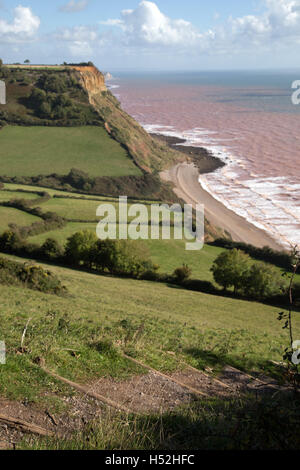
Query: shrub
[[53, 83], [182, 274], [51, 249], [10, 241], [263, 281], [37, 97], [123, 257], [31, 276]]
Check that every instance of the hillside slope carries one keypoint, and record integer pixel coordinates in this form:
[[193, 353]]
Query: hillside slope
[[76, 96], [147, 153]]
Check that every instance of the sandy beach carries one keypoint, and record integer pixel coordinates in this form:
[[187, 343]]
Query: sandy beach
[[185, 177]]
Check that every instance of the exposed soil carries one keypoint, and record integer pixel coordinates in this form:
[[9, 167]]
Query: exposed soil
[[140, 394], [81, 410], [242, 382], [144, 393]]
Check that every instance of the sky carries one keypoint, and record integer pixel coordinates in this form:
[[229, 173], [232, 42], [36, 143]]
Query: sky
[[153, 35]]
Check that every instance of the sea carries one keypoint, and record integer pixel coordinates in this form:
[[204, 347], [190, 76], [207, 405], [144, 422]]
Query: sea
[[247, 119]]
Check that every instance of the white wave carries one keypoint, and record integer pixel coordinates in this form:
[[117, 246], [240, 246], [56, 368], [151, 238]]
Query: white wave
[[264, 202], [112, 87]]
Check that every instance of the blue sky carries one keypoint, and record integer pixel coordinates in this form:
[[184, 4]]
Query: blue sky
[[160, 35]]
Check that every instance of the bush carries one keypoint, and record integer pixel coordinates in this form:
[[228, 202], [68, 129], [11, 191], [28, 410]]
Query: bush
[[10, 241], [182, 274], [37, 97], [123, 257], [31, 276], [51, 249], [53, 83], [263, 281]]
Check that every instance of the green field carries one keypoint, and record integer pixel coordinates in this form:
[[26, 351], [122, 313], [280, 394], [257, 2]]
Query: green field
[[72, 209], [6, 196], [62, 234], [168, 254], [24, 187], [83, 335], [173, 319], [58, 149], [9, 215]]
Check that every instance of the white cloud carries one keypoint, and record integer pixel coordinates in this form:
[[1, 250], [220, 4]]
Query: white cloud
[[146, 25], [80, 40], [23, 27], [112, 22], [147, 31], [74, 6], [78, 33]]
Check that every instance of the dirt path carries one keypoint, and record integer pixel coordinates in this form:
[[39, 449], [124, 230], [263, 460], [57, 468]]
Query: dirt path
[[144, 394]]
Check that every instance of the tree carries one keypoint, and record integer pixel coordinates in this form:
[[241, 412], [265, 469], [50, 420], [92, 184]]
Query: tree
[[45, 110], [107, 255], [262, 281], [122, 257], [80, 248], [37, 97], [51, 249], [52, 83], [230, 269], [1, 63], [27, 61], [10, 241]]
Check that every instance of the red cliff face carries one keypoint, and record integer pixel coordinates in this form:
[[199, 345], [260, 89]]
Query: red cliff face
[[92, 79]]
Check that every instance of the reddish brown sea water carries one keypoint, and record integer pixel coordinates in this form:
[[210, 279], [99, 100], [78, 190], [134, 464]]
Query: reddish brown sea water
[[253, 127]]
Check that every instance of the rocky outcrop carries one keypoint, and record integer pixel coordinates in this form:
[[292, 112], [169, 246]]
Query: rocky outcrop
[[92, 79]]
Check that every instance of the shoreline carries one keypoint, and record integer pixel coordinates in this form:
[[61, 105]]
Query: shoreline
[[185, 177], [187, 186], [202, 158]]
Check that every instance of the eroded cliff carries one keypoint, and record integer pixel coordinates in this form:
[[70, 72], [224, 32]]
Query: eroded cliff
[[92, 79]]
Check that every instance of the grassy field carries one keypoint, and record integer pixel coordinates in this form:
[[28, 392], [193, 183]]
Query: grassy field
[[102, 317], [206, 329], [62, 234], [6, 196], [79, 209], [9, 215], [168, 254], [56, 149], [50, 191]]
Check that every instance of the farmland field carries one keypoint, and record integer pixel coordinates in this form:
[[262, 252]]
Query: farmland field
[[9, 195], [168, 254], [9, 215], [59, 149]]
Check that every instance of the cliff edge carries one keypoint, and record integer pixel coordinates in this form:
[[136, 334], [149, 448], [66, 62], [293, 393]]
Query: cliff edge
[[92, 79]]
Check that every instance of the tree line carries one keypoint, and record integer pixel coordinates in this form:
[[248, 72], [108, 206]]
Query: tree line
[[233, 270]]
